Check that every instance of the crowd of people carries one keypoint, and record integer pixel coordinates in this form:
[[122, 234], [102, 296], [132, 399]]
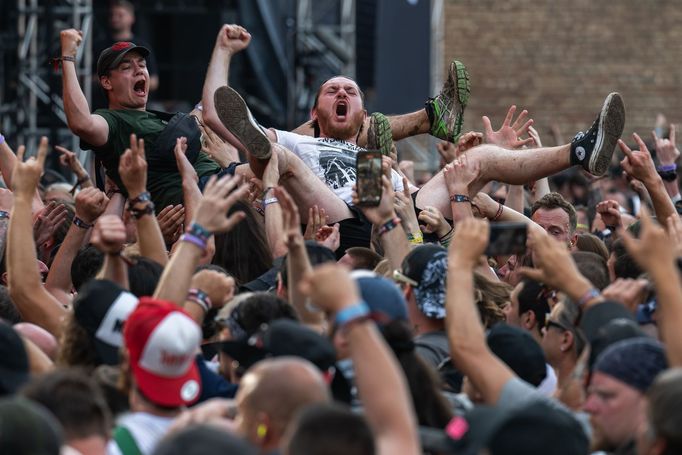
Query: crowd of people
[[225, 292]]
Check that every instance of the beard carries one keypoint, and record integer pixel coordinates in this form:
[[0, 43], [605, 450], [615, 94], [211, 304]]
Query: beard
[[346, 131]]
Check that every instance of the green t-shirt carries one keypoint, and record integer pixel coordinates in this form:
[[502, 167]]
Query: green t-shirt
[[164, 185]]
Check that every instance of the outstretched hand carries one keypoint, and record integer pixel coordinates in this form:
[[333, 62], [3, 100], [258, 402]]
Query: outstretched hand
[[638, 164], [508, 136], [132, 167], [666, 149], [460, 174], [653, 248], [233, 38], [187, 171], [25, 176], [217, 200]]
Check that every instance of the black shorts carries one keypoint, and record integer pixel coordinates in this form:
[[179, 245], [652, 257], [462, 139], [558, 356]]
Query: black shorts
[[356, 231]]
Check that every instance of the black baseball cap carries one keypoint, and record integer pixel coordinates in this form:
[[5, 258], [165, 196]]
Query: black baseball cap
[[101, 308], [517, 348], [282, 337], [427, 266], [112, 56]]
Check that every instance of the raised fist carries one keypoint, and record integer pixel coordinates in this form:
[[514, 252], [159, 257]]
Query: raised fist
[[70, 40], [233, 38]]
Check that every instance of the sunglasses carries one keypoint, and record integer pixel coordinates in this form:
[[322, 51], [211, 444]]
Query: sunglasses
[[549, 323], [401, 278]]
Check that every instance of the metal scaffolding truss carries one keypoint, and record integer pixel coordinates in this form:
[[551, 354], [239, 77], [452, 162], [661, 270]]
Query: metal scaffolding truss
[[325, 46], [38, 109]]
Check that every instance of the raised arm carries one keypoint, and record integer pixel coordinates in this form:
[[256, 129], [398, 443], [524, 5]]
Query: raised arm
[[668, 154], [91, 128], [640, 165], [90, 204], [379, 379], [132, 168], [209, 219], [458, 176], [495, 211], [35, 304], [466, 335], [391, 233], [109, 236], [654, 253], [231, 40]]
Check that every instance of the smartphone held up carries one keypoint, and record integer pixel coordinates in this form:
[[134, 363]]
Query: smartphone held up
[[368, 178]]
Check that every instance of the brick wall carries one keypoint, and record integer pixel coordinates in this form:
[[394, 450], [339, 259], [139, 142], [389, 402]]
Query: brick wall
[[559, 58]]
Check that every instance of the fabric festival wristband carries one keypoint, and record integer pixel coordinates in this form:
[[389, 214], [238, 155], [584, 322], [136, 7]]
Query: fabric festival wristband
[[389, 226], [667, 168], [348, 314], [80, 223], [199, 231], [460, 198], [416, 238], [270, 200], [194, 240], [200, 298], [2, 139], [589, 295]]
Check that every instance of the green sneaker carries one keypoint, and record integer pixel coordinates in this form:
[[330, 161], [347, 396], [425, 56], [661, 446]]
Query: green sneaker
[[379, 135], [446, 111]]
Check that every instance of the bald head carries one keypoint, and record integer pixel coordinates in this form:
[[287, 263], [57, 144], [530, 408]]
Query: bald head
[[272, 392]]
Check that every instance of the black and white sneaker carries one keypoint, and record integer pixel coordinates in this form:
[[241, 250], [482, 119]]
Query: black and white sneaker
[[594, 148], [246, 134]]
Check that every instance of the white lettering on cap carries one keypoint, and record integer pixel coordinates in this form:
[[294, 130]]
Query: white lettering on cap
[[171, 347], [110, 330]]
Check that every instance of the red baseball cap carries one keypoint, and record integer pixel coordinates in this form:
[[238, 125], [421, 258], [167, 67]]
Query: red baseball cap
[[162, 342]]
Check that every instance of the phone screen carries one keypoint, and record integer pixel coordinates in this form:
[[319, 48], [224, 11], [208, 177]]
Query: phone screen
[[506, 239], [368, 180]]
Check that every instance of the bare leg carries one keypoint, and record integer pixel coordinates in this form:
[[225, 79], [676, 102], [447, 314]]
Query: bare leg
[[515, 167], [304, 186]]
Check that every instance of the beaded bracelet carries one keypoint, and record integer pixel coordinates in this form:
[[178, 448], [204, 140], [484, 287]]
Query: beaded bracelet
[[500, 209], [389, 226], [142, 197], [200, 298], [80, 223]]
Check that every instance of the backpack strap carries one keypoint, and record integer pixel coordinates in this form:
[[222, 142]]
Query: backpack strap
[[125, 441]]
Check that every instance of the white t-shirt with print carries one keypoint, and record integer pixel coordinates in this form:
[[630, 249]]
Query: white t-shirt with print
[[146, 429], [332, 160]]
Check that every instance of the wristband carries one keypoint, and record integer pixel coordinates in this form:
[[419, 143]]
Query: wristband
[[460, 198], [667, 167], [200, 298], [199, 231], [351, 313], [2, 139], [668, 176], [265, 191], [139, 213], [142, 197], [194, 240], [270, 200], [4, 215], [64, 58], [500, 209], [415, 239], [389, 226], [589, 295], [80, 223]]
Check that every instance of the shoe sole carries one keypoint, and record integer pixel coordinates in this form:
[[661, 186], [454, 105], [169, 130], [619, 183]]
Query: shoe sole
[[459, 76], [244, 131], [611, 124], [379, 134]]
